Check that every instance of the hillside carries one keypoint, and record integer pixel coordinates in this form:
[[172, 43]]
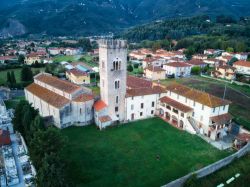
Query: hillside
[[89, 17]]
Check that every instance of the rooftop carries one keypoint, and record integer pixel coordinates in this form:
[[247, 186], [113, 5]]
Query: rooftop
[[176, 104], [198, 96], [155, 69], [242, 63], [84, 98], [104, 119], [99, 105], [55, 82], [136, 82], [178, 64], [48, 96]]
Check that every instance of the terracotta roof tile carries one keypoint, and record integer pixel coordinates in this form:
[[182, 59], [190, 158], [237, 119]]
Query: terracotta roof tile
[[84, 98], [196, 62], [176, 104], [104, 119], [77, 72], [99, 105], [178, 64], [63, 85], [155, 69], [198, 96], [144, 91], [48, 96], [242, 63], [135, 82], [221, 119]]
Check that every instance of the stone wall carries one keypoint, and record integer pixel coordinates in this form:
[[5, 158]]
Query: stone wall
[[211, 168]]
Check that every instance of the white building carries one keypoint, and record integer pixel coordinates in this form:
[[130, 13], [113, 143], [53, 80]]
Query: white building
[[177, 69], [66, 103], [242, 67], [195, 111]]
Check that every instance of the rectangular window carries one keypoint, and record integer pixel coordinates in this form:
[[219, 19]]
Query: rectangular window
[[142, 105], [194, 103], [182, 114], [201, 118], [132, 98], [224, 107], [141, 113], [152, 112], [213, 110], [116, 109], [193, 114], [132, 107], [202, 107], [186, 100], [153, 104]]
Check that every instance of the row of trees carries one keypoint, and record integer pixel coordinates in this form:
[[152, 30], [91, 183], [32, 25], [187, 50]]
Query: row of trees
[[46, 146]]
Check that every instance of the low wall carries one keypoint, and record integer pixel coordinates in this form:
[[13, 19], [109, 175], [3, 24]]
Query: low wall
[[211, 168]]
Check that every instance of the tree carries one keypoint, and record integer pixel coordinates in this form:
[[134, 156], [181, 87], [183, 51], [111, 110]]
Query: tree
[[230, 50], [13, 78], [248, 57], [26, 74], [52, 172], [8, 78], [27, 120], [18, 116], [196, 70], [21, 59], [189, 52], [130, 68]]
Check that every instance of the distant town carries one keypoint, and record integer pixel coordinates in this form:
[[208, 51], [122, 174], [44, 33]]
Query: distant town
[[102, 97]]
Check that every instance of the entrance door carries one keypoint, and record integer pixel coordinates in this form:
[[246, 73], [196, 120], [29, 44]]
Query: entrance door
[[132, 116]]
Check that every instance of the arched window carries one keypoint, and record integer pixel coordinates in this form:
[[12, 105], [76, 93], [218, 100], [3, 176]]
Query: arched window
[[115, 84], [119, 65], [118, 84], [117, 99], [114, 65]]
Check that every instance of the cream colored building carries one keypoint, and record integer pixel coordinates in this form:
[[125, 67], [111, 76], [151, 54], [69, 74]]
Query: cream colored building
[[64, 102], [155, 73], [78, 77], [32, 59], [224, 72]]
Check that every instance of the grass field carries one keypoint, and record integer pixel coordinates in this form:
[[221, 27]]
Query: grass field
[[239, 95], [238, 166], [66, 58], [3, 74], [144, 153]]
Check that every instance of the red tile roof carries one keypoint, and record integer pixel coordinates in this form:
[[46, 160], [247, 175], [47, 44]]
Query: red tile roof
[[4, 137], [144, 91], [178, 64], [7, 57], [84, 98], [244, 137], [221, 119], [62, 85], [196, 62], [77, 72], [198, 96], [99, 105], [136, 82], [242, 63], [48, 96], [104, 119], [155, 69], [176, 104]]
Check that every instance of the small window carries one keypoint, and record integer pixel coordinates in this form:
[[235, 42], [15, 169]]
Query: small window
[[152, 112], [186, 100], [224, 107], [153, 104], [117, 99], [103, 65], [201, 118], [142, 105], [132, 107], [80, 111], [193, 114], [202, 107], [116, 109], [132, 98], [141, 113], [194, 103], [213, 110], [182, 114]]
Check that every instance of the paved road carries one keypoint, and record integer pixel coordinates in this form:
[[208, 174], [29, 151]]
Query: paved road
[[19, 168]]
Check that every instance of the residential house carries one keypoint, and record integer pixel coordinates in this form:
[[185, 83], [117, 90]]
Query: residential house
[[195, 111], [177, 69], [242, 67], [78, 77], [224, 72], [197, 63], [154, 73]]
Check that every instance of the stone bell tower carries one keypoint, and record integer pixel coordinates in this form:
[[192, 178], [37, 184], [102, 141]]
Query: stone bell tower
[[113, 76]]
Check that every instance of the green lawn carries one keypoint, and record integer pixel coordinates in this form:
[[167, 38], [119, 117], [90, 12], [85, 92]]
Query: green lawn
[[66, 58], [143, 153], [3, 74], [238, 166], [88, 60]]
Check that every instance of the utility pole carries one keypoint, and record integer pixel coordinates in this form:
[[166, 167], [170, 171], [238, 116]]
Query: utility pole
[[224, 95]]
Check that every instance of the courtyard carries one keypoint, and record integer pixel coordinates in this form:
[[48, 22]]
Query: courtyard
[[142, 153]]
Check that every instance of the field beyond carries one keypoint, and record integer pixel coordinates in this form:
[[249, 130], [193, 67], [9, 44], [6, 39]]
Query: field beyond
[[142, 153]]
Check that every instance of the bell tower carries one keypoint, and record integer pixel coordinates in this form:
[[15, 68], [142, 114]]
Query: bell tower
[[113, 76]]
